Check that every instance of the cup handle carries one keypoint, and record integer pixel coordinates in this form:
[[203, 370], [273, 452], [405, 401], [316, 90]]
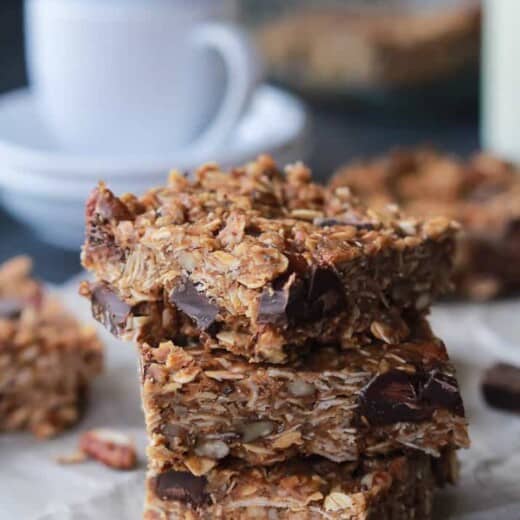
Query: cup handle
[[243, 69]]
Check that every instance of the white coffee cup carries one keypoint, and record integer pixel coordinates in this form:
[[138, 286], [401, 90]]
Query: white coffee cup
[[139, 77]]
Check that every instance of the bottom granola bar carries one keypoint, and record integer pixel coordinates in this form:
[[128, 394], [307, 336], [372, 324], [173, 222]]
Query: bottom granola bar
[[47, 359], [396, 488]]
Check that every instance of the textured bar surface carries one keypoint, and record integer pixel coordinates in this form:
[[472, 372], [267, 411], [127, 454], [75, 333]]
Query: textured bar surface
[[202, 406], [260, 261], [393, 488], [483, 194], [47, 359]]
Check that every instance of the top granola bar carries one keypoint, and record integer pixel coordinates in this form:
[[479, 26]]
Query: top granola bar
[[260, 262]]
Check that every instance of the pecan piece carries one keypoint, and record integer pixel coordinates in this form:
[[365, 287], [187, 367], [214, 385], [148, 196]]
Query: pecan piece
[[109, 447]]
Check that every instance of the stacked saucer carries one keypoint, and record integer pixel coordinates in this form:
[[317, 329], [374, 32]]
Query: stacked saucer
[[45, 185]]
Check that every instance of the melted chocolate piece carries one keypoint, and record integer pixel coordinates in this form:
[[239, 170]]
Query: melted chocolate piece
[[501, 387], [183, 487], [442, 391], [10, 308], [109, 310], [396, 396], [283, 302], [325, 293], [194, 304], [292, 299]]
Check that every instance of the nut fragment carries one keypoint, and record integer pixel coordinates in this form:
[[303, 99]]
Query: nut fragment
[[256, 430], [112, 448], [212, 449], [199, 465], [300, 388], [337, 501], [287, 439]]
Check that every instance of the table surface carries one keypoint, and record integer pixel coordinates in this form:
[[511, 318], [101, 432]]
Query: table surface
[[341, 132]]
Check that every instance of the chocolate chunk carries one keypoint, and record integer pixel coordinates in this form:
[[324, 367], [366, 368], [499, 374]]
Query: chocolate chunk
[[194, 304], [501, 387], [325, 293], [10, 308], [441, 390], [396, 396], [109, 310], [183, 487], [392, 397], [282, 302], [292, 299]]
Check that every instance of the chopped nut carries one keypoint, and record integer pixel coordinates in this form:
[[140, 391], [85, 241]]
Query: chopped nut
[[212, 449], [338, 501], [256, 430], [287, 439], [109, 447], [300, 388], [200, 465], [222, 375]]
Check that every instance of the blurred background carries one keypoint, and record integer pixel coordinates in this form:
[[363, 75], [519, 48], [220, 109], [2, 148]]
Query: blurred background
[[369, 75]]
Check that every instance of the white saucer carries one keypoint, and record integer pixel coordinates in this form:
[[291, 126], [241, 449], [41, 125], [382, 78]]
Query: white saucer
[[46, 186]]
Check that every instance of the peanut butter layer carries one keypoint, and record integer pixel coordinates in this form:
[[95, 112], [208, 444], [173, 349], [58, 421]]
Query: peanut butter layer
[[392, 488], [260, 262], [47, 359], [203, 406], [482, 193]]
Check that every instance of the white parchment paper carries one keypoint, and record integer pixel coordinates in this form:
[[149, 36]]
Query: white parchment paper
[[34, 487]]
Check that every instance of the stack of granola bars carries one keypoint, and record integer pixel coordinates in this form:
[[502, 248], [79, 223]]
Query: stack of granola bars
[[287, 367]]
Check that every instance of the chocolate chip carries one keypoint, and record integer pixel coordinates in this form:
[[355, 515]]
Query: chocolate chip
[[282, 302], [501, 387], [109, 310], [396, 396], [194, 304], [325, 294], [182, 486], [392, 397], [10, 308], [441, 390], [293, 299]]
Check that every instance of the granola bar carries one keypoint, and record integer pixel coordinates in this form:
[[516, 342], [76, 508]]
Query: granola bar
[[340, 48], [393, 488], [47, 359], [203, 406], [260, 262], [483, 194]]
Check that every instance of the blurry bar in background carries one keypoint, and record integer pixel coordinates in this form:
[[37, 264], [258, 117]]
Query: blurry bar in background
[[371, 51]]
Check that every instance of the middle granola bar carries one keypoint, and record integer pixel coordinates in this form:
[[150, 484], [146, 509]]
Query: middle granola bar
[[202, 406], [260, 262]]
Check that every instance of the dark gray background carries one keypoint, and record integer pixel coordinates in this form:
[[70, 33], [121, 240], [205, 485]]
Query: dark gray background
[[343, 129]]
